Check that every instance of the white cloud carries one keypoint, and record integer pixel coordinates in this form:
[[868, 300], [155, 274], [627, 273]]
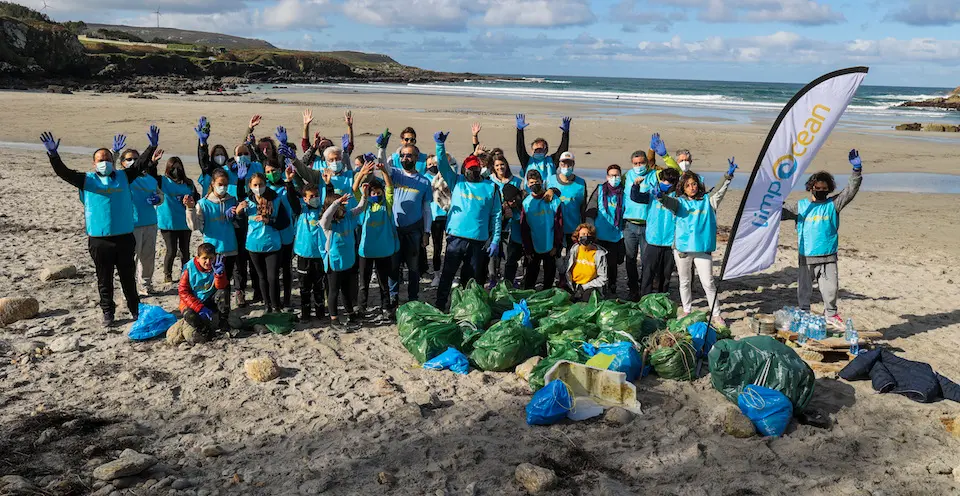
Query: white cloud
[[454, 15], [539, 13], [802, 12], [437, 15], [294, 13], [927, 13]]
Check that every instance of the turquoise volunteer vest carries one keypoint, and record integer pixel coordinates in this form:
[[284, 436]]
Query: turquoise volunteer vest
[[607, 228], [696, 226], [471, 209], [817, 225], [201, 282], [378, 236], [342, 252], [217, 228], [287, 234], [631, 209], [309, 240], [540, 215], [661, 225], [171, 214], [262, 238], [204, 181], [421, 162], [545, 166], [572, 197], [108, 208], [144, 214], [232, 185]]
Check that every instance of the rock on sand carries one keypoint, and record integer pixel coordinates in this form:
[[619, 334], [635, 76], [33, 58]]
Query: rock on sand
[[535, 479], [261, 369], [57, 272], [736, 424], [129, 463], [14, 309]]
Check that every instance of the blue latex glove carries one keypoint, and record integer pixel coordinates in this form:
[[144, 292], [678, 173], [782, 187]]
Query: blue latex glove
[[494, 250], [855, 160], [251, 139], [383, 139], [49, 143], [658, 192], [565, 124], [281, 134], [231, 212], [153, 199], [285, 151], [153, 136], [657, 145], [521, 122], [733, 166], [664, 187], [219, 266], [242, 171], [439, 137], [369, 157], [202, 130], [119, 141], [207, 314], [344, 142]]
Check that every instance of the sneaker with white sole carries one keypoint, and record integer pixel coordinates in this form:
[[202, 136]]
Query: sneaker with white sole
[[718, 321], [836, 321]]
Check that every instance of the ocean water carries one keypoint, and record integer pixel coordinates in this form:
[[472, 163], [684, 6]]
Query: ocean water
[[872, 107]]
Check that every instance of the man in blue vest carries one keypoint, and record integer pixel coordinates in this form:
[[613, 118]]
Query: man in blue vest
[[540, 161], [109, 211]]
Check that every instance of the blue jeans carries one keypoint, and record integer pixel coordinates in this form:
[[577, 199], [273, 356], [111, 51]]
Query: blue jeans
[[411, 240], [468, 252], [635, 242]]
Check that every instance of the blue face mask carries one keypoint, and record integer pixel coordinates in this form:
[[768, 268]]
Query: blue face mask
[[336, 167], [375, 199], [104, 167], [614, 181], [539, 156], [244, 160]]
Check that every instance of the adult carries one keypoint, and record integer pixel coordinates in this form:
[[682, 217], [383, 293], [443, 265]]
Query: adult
[[605, 212], [572, 191], [178, 191], [586, 264], [146, 196], [408, 137], [346, 141], [108, 210], [538, 158], [635, 219]]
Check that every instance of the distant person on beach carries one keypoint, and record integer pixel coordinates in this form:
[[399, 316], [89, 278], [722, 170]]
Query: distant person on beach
[[538, 158], [818, 223], [204, 292], [696, 235], [541, 226], [605, 212], [109, 213]]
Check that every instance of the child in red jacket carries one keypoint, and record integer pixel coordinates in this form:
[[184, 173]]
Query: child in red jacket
[[202, 289]]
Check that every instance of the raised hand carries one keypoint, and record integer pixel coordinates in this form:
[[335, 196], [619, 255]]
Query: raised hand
[[367, 168], [119, 141], [733, 166], [307, 117], [327, 175], [189, 202], [479, 150], [207, 314], [439, 137], [565, 124], [202, 130], [157, 155], [346, 198], [657, 145], [218, 265], [475, 129], [369, 157], [153, 199], [281, 134], [855, 159], [153, 136], [49, 143], [251, 139], [240, 206], [365, 188], [291, 173], [384, 138], [255, 121], [521, 122], [242, 170], [344, 142], [348, 118], [285, 151]]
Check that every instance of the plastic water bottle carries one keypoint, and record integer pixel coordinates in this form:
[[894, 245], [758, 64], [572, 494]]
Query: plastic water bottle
[[822, 328], [854, 338], [848, 331], [802, 330]]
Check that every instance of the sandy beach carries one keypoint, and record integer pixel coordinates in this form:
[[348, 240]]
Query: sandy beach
[[350, 407]]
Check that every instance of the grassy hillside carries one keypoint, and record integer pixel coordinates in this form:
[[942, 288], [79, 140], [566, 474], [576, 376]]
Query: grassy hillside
[[179, 36]]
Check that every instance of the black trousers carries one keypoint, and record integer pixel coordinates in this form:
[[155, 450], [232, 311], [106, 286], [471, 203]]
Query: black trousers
[[175, 241], [219, 302], [615, 256], [286, 263], [243, 264], [533, 271], [514, 254], [268, 275], [343, 282], [312, 280], [459, 251], [115, 254], [658, 265], [383, 266], [411, 241], [437, 230]]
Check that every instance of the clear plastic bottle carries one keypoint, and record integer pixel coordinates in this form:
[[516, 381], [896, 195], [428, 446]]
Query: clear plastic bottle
[[802, 330], [853, 337], [822, 321], [848, 331]]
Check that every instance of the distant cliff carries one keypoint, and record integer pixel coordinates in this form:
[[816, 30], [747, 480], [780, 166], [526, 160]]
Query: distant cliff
[[31, 48]]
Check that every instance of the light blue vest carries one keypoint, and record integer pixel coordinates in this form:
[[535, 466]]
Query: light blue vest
[[661, 225], [378, 237], [287, 234], [545, 166], [572, 197], [470, 210], [145, 213], [342, 253], [262, 238], [817, 225], [607, 228], [514, 180], [540, 216], [631, 209], [171, 214], [204, 181], [421, 162], [309, 241], [202, 283], [696, 226], [108, 208], [217, 228], [232, 185]]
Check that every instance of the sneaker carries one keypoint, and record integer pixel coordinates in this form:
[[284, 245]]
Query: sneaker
[[491, 284], [239, 300], [435, 283], [108, 320], [386, 317], [167, 279], [337, 325], [836, 321], [718, 321]]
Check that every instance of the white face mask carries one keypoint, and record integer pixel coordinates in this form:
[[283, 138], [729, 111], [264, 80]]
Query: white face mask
[[220, 190], [639, 168], [566, 171], [259, 191], [314, 202], [684, 165], [614, 181], [104, 168], [336, 166], [129, 162], [220, 159]]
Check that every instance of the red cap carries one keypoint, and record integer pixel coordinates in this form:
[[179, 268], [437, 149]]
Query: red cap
[[471, 162]]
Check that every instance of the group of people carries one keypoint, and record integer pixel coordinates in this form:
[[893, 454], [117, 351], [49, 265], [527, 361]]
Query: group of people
[[346, 220]]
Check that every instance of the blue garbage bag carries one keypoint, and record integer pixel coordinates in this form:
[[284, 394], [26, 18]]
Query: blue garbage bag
[[550, 404], [153, 321], [704, 337], [626, 359], [519, 309], [451, 359], [768, 409]]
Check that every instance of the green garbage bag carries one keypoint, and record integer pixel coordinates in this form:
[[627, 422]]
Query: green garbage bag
[[542, 303], [425, 331], [626, 317], [277, 323], [681, 324], [611, 336], [502, 298], [471, 334], [737, 364], [471, 303], [672, 355], [570, 338], [505, 345], [576, 315], [658, 306], [413, 313]]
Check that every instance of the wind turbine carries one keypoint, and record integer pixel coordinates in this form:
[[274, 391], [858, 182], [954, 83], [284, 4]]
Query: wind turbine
[[158, 16], [45, 7]]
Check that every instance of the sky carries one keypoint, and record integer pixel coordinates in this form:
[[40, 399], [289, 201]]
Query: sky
[[905, 42]]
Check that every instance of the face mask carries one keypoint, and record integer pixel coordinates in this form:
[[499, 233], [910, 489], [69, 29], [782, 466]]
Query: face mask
[[536, 188], [433, 170], [684, 165], [104, 168], [539, 156], [614, 181], [566, 171], [820, 195], [664, 187], [336, 166], [375, 199], [129, 162], [485, 172], [220, 159], [314, 202], [259, 191], [220, 190], [275, 177], [473, 175], [586, 240], [244, 160], [408, 164], [639, 168]]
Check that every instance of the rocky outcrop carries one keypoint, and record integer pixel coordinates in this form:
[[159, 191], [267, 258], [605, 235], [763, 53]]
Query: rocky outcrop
[[33, 49], [951, 102], [934, 128]]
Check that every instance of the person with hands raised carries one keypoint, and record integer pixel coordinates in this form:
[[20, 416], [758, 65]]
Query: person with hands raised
[[408, 138], [378, 239], [473, 221], [204, 292], [538, 158], [109, 218], [541, 228], [339, 225], [635, 218], [264, 212], [660, 230], [146, 197], [176, 187], [818, 221]]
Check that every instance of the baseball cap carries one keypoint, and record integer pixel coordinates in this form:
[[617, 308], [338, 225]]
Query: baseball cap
[[471, 162], [567, 156]]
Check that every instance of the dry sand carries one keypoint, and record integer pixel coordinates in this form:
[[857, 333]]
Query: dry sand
[[349, 407]]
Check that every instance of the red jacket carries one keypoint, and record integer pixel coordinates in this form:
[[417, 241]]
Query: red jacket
[[188, 299]]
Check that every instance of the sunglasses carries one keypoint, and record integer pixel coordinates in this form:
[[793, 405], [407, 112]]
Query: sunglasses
[[243, 154], [409, 140], [408, 155]]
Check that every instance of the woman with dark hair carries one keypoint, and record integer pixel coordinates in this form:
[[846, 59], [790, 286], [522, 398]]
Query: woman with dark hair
[[263, 210], [172, 215], [605, 212]]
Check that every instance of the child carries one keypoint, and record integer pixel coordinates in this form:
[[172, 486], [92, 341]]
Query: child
[[512, 205], [339, 226], [378, 237], [657, 258], [818, 219], [586, 264], [203, 291], [696, 235], [310, 247], [265, 216], [541, 225], [172, 217], [213, 217], [280, 180]]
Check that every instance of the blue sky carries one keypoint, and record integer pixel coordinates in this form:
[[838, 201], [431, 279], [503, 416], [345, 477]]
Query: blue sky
[[905, 42]]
